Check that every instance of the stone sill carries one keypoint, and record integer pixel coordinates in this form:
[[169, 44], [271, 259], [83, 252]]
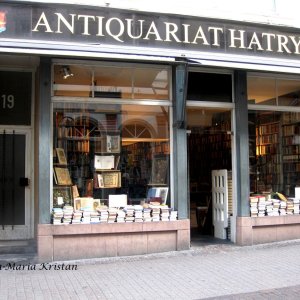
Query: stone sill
[[75, 229]]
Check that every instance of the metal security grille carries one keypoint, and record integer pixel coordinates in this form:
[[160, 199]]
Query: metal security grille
[[12, 179]]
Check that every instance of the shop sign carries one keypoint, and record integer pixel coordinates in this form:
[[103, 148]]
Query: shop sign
[[15, 97], [106, 26]]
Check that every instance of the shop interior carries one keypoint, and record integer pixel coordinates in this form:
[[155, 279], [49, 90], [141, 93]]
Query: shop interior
[[209, 148]]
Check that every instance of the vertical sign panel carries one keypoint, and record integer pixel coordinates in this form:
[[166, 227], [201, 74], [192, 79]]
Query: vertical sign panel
[[15, 98]]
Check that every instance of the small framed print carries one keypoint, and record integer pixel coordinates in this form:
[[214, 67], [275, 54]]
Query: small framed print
[[104, 162], [162, 192], [60, 153], [111, 179], [62, 196], [62, 176], [113, 143]]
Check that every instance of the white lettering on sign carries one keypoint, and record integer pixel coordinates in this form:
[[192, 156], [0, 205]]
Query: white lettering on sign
[[157, 30], [8, 101]]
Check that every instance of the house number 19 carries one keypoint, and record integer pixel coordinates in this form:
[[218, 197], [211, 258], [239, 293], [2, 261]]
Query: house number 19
[[8, 101]]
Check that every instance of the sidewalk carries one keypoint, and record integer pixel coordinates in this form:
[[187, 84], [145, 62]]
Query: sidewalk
[[208, 271]]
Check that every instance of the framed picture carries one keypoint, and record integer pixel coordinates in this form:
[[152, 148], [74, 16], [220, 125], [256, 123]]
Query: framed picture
[[162, 192], [62, 196], [86, 203], [113, 143], [62, 176], [156, 193], [104, 162], [75, 192], [77, 203], [160, 167], [111, 179], [60, 153]]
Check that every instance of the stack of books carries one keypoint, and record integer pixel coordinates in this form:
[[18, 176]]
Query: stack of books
[[269, 207], [129, 213], [276, 206], [112, 215], [147, 214], [261, 206], [68, 214], [138, 213], [77, 215], [164, 213], [121, 216], [95, 217], [155, 212], [282, 209], [173, 215], [103, 210], [57, 215], [253, 206], [296, 206], [86, 217], [289, 207]]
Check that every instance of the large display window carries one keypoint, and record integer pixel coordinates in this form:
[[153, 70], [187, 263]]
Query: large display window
[[274, 146], [110, 156]]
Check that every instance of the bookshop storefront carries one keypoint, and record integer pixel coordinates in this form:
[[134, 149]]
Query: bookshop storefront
[[141, 131]]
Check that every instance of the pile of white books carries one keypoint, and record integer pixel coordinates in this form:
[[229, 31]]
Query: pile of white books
[[95, 217], [164, 213], [147, 214], [129, 213], [296, 205], [121, 216], [138, 213], [57, 215], [289, 207], [173, 215], [253, 206], [112, 214], [282, 209], [86, 217], [103, 210], [261, 206], [155, 212], [68, 214], [77, 215], [276, 206]]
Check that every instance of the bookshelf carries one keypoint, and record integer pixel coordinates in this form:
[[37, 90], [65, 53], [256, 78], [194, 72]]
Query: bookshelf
[[291, 151], [268, 155], [84, 138], [276, 165]]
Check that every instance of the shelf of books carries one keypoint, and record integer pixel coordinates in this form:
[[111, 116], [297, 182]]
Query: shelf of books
[[277, 165]]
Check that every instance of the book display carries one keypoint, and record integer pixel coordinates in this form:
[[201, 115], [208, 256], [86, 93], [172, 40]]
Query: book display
[[274, 157], [275, 170], [104, 214], [99, 154], [274, 204], [89, 151]]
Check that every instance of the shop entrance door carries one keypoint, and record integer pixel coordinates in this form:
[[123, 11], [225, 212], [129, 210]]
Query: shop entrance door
[[209, 148], [14, 185], [220, 203]]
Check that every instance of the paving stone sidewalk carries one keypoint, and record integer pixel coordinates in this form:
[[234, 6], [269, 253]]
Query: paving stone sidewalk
[[215, 271]]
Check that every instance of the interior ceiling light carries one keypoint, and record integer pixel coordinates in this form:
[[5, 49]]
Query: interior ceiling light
[[66, 72]]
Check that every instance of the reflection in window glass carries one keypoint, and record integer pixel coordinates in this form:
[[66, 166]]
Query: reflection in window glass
[[127, 82], [111, 150], [261, 90], [288, 92], [72, 81], [274, 150]]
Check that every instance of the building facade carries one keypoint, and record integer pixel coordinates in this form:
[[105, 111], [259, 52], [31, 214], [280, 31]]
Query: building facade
[[105, 108]]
